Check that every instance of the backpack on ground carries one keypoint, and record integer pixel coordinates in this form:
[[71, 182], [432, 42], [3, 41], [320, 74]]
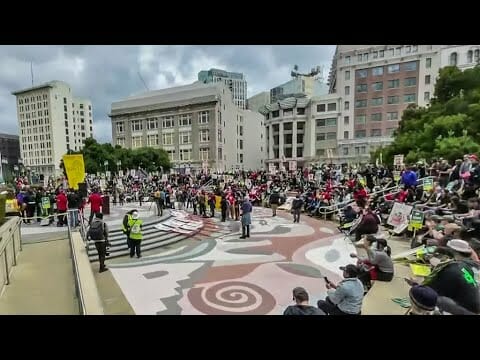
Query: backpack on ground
[[95, 232]]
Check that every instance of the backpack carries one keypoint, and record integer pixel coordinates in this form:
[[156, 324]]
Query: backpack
[[96, 231]]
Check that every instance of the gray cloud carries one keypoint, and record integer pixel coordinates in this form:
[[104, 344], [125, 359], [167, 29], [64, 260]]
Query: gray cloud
[[109, 73]]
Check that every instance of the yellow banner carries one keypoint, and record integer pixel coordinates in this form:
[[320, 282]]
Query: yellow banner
[[75, 169], [218, 200]]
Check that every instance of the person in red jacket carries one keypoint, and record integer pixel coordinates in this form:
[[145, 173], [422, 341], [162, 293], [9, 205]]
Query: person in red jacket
[[95, 201], [360, 196], [62, 206]]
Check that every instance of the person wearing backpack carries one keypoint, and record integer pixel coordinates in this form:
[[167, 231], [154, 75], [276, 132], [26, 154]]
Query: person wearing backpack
[[135, 230], [98, 232]]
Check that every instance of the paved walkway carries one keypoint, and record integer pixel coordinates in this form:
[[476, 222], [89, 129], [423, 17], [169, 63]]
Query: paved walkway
[[42, 283]]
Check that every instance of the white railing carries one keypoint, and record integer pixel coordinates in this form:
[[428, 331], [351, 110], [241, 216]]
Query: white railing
[[10, 246]]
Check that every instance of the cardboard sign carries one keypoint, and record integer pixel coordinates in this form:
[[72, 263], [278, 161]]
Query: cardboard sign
[[416, 220], [398, 160], [398, 217], [120, 173], [428, 184], [75, 168], [271, 168], [292, 165], [396, 176]]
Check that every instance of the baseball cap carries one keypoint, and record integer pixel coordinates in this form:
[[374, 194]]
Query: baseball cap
[[350, 269], [460, 246]]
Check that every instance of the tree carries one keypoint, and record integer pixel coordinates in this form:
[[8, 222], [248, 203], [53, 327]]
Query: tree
[[448, 128]]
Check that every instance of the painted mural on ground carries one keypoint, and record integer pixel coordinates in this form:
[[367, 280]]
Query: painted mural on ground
[[229, 275]]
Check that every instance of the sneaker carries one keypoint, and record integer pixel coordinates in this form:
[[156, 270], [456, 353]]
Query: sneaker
[[104, 269], [139, 256]]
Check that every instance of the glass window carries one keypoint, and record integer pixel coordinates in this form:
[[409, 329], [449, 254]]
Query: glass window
[[476, 55], [167, 139], [300, 111], [393, 100], [426, 96], [347, 59], [428, 63], [453, 59], [321, 108], [320, 122], [275, 113], [376, 101], [409, 98], [332, 107], [347, 90], [185, 137], [427, 79], [346, 120], [361, 73], [381, 53], [331, 122], [360, 119], [287, 112], [390, 131], [152, 124], [470, 56], [204, 135], [359, 57], [331, 136], [410, 81], [376, 117], [136, 142], [393, 68], [410, 66], [185, 154], [137, 125], [398, 51], [360, 134], [320, 152], [375, 54], [393, 83], [203, 117], [167, 122], [321, 136], [362, 88], [152, 140], [391, 52], [377, 86], [376, 132], [392, 115], [346, 105], [345, 135], [185, 120], [347, 75], [204, 153], [361, 103]]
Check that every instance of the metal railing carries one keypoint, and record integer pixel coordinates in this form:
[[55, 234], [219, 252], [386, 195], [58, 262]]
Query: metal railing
[[327, 210], [10, 246]]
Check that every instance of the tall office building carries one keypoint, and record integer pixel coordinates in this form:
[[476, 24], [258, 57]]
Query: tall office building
[[10, 148], [300, 85], [51, 122], [196, 124], [235, 82]]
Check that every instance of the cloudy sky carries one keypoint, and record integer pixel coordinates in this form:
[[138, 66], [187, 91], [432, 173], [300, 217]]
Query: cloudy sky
[[109, 73]]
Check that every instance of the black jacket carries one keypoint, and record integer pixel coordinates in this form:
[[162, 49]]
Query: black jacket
[[275, 198], [303, 310]]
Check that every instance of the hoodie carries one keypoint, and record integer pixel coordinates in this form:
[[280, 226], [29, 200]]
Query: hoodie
[[302, 310]]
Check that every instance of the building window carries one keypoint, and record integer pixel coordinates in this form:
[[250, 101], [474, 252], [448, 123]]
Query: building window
[[426, 96], [375, 54], [345, 135], [152, 140], [321, 108], [347, 75], [152, 124], [390, 131], [321, 136], [185, 154], [376, 132], [167, 139], [320, 152], [275, 113], [346, 105], [476, 56], [64, 100], [393, 83], [185, 120], [362, 88], [203, 117], [381, 53], [361, 103], [300, 111], [331, 136], [347, 90], [427, 79], [331, 122], [393, 100], [377, 86], [171, 154], [376, 117], [346, 120], [408, 49], [470, 56], [81, 106], [428, 63], [347, 60], [359, 57], [361, 73], [204, 153], [167, 122], [453, 59], [287, 126], [300, 126], [360, 119], [137, 125], [410, 81], [204, 135], [345, 151], [360, 134], [288, 112], [409, 98], [332, 107], [392, 115], [240, 144], [410, 66], [376, 101], [398, 51], [136, 142], [415, 48], [393, 68], [321, 122]]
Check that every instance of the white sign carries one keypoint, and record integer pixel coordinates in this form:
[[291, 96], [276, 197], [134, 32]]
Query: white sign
[[120, 173], [329, 153], [248, 184], [271, 168], [132, 172], [205, 165], [164, 178], [187, 170], [108, 174], [292, 165], [398, 160], [310, 177], [398, 217]]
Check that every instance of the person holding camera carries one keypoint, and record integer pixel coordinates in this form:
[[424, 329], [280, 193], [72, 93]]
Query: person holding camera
[[98, 232]]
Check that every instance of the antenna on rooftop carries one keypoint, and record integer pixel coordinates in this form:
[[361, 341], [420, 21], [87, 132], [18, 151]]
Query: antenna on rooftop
[[144, 84]]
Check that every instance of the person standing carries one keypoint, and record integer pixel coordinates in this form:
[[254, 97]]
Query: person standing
[[211, 203], [95, 201], [135, 230], [159, 202], [274, 201], [62, 205], [246, 218], [297, 208], [224, 207], [98, 232], [125, 228], [73, 205]]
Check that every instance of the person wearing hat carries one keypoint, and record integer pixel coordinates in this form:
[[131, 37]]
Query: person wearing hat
[[457, 278], [135, 234], [346, 297], [301, 307], [423, 300]]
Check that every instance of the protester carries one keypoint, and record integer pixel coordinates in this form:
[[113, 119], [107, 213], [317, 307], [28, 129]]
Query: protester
[[301, 307], [98, 232], [246, 212], [134, 228]]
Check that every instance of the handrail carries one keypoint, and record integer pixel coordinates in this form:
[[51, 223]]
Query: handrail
[[11, 238]]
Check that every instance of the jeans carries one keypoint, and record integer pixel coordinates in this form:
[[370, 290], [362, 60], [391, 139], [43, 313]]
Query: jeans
[[135, 247], [159, 208], [73, 217], [296, 215], [92, 214], [245, 231], [330, 308], [101, 247]]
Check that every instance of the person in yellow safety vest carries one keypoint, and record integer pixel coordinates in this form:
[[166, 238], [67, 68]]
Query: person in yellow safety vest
[[125, 228], [136, 236]]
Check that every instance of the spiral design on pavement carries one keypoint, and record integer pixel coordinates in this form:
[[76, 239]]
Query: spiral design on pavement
[[232, 297]]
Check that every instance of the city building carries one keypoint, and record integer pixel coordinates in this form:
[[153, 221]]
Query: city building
[[10, 148], [51, 122], [301, 84], [235, 81], [462, 56], [256, 102], [198, 125]]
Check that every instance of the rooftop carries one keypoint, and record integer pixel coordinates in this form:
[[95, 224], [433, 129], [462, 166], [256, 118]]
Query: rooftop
[[50, 84], [8, 136]]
